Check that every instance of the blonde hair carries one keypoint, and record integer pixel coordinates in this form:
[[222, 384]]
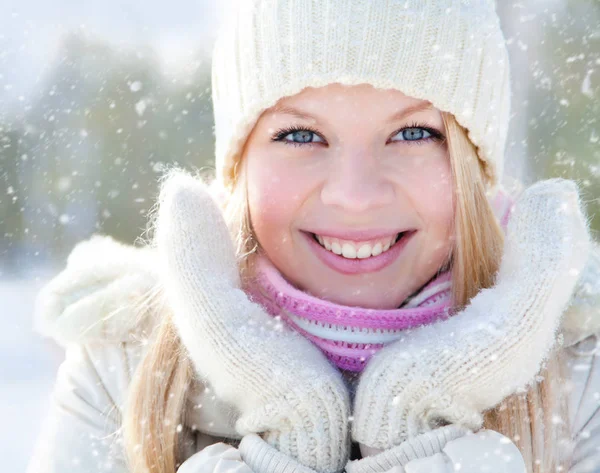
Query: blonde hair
[[535, 420], [155, 405]]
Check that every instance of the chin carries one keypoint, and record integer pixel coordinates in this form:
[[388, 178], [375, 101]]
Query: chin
[[358, 297]]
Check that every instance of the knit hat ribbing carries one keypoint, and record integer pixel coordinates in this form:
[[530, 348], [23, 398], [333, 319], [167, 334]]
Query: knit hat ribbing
[[449, 52]]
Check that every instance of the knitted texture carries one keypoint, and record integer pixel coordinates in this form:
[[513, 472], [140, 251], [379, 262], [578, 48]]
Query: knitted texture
[[451, 53], [263, 458], [452, 371], [350, 336], [444, 450], [424, 445], [281, 384]]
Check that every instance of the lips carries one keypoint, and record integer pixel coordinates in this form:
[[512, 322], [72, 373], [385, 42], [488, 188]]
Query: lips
[[350, 262]]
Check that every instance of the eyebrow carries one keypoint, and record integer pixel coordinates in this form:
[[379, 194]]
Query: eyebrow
[[421, 106]]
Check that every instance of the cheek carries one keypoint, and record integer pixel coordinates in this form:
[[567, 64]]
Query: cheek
[[432, 191], [273, 201]]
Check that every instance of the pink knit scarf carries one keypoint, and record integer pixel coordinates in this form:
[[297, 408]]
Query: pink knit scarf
[[349, 336]]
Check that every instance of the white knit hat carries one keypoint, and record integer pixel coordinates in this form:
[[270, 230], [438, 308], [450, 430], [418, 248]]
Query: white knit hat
[[449, 52]]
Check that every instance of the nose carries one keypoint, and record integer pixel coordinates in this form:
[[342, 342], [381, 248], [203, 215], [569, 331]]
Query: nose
[[357, 183]]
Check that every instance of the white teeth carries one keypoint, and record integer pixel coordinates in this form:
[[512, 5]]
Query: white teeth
[[348, 251], [353, 250], [364, 251]]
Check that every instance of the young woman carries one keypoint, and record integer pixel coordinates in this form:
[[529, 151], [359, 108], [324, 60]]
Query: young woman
[[356, 290]]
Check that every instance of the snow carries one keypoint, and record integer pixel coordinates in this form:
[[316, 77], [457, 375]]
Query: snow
[[70, 182], [135, 86], [28, 365]]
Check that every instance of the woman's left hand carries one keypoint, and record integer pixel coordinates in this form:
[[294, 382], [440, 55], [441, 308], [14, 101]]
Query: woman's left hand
[[452, 371]]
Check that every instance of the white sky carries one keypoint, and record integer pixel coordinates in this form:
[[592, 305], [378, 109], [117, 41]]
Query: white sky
[[31, 30]]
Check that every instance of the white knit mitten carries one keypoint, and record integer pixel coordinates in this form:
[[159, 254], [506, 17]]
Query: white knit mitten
[[452, 371], [281, 383]]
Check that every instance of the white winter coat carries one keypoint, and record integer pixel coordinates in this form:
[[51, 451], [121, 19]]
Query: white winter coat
[[81, 432]]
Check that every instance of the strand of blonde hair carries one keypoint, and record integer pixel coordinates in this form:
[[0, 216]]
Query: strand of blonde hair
[[529, 418]]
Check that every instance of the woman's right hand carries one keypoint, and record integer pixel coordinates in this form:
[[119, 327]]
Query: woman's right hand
[[281, 383]]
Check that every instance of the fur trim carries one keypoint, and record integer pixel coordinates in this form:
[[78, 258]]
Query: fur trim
[[102, 294]]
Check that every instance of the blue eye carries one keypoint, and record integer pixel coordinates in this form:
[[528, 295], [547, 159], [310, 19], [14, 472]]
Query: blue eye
[[298, 136], [413, 134], [303, 136], [417, 134]]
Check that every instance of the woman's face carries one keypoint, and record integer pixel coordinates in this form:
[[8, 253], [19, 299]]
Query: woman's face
[[350, 193]]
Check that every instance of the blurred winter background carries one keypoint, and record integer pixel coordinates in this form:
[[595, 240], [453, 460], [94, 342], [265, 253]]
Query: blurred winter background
[[96, 97]]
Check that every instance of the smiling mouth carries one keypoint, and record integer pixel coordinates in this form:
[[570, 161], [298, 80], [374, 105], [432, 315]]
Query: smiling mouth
[[358, 249]]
